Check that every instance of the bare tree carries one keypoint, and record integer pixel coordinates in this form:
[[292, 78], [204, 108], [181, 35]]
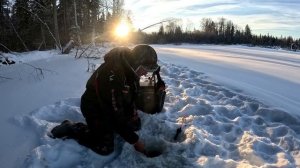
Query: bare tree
[[56, 33]]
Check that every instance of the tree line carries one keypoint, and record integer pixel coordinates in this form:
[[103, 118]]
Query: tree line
[[45, 24], [222, 31]]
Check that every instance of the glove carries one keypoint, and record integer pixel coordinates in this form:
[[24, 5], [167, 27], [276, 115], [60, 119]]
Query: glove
[[140, 147]]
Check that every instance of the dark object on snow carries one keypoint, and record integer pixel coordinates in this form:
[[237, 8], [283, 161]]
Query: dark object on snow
[[64, 130], [68, 129], [7, 61], [81, 133], [178, 131]]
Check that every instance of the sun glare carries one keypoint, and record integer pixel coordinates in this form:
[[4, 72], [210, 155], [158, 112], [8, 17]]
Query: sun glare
[[122, 29]]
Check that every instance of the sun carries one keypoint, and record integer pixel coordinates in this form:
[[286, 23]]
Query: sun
[[122, 29]]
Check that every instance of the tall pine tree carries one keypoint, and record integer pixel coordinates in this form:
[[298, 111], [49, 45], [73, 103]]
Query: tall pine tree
[[5, 32]]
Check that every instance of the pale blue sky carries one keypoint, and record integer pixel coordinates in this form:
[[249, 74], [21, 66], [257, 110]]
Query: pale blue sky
[[277, 17]]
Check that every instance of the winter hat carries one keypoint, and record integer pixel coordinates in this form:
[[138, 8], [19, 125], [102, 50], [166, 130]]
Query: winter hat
[[144, 55]]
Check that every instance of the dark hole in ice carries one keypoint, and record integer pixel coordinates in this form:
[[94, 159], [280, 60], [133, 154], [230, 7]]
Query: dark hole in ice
[[155, 147]]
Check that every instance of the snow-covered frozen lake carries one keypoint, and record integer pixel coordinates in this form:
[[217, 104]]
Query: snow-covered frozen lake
[[237, 107], [270, 75]]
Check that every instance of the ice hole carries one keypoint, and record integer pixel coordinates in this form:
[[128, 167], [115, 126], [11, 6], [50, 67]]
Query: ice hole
[[155, 146]]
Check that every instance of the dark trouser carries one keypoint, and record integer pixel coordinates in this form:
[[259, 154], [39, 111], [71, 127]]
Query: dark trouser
[[100, 137], [101, 127], [80, 132]]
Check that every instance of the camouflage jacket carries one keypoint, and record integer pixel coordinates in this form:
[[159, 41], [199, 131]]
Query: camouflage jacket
[[112, 92]]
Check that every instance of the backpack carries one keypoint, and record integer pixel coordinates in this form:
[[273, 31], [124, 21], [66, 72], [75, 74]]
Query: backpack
[[150, 98]]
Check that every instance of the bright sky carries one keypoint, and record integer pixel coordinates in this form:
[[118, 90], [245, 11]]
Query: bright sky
[[277, 17]]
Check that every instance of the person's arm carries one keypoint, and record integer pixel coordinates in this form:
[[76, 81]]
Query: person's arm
[[114, 95], [120, 114]]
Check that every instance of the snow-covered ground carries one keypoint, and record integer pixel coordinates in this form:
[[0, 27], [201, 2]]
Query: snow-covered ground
[[270, 75], [237, 107]]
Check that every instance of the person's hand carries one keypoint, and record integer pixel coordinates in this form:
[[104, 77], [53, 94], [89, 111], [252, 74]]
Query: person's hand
[[140, 147]]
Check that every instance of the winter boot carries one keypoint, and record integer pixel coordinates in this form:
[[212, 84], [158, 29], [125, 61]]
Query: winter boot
[[64, 130]]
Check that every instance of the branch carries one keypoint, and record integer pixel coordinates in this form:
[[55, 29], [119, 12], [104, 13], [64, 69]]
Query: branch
[[38, 70], [44, 23], [40, 5], [85, 50], [41, 45], [156, 24], [5, 47], [4, 58]]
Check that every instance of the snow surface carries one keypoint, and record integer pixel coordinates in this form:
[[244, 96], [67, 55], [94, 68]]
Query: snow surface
[[270, 75], [236, 106]]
